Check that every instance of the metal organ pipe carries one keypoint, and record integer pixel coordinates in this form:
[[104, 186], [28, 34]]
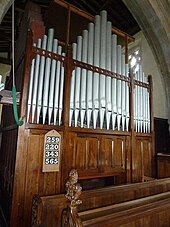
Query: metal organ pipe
[[83, 78], [119, 88], [141, 101], [96, 100], [96, 75], [41, 77], [114, 81], [141, 107], [137, 103], [52, 83], [102, 97], [90, 73], [144, 104], [123, 92], [61, 92], [127, 97], [47, 73], [77, 81], [57, 88], [108, 79], [145, 107]]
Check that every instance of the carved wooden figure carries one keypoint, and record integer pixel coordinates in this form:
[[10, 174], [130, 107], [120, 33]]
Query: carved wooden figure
[[70, 215]]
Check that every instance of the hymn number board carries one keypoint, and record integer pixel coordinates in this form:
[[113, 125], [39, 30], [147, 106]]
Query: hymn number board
[[51, 157]]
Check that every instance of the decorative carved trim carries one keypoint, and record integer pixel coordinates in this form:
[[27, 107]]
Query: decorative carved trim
[[70, 216]]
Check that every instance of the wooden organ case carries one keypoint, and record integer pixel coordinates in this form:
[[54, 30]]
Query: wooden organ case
[[85, 92]]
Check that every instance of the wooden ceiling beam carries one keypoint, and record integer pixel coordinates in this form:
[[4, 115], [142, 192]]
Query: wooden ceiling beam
[[108, 2], [91, 18]]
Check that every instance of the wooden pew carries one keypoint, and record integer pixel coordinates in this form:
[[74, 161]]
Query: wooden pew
[[149, 211], [48, 210]]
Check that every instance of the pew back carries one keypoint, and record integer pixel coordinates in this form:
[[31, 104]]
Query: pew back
[[149, 211], [47, 210]]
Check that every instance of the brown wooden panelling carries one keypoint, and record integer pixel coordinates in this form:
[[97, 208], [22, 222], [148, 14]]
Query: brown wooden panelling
[[163, 165], [142, 159], [93, 154], [33, 180]]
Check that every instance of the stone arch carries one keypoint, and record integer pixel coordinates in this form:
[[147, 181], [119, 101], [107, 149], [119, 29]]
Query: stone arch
[[4, 6]]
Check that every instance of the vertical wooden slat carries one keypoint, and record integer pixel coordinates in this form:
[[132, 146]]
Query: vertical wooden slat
[[17, 213], [68, 72], [32, 174]]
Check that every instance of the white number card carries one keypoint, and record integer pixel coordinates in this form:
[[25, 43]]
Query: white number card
[[51, 157]]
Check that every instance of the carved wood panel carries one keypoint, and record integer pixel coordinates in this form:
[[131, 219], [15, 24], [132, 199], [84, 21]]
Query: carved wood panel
[[113, 152], [86, 154], [94, 154], [142, 159]]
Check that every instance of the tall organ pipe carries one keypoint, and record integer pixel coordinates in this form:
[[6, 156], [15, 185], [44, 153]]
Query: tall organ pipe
[[83, 77], [108, 79], [102, 65], [56, 88], [137, 103], [61, 92], [144, 105], [141, 100], [41, 77], [77, 81], [114, 81], [119, 90], [127, 97], [96, 75], [52, 82], [123, 92], [47, 73], [74, 51], [36, 74], [90, 73]]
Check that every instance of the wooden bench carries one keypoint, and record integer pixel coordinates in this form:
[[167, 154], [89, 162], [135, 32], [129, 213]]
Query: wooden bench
[[48, 210], [149, 211]]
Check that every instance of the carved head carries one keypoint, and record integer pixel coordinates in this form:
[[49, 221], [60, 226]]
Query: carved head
[[73, 175]]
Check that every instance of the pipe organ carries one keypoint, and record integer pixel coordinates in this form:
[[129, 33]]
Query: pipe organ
[[85, 91], [97, 100]]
